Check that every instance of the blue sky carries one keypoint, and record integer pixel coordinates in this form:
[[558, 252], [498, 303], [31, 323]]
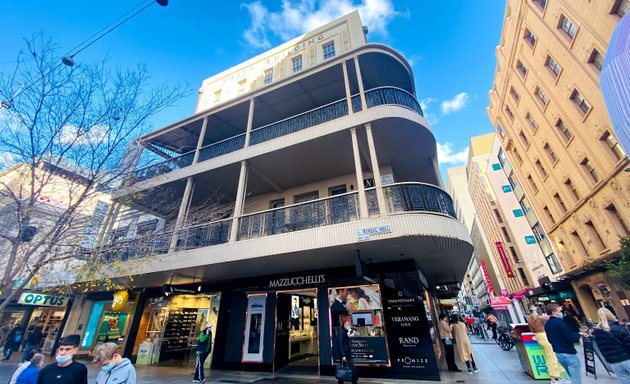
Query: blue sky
[[450, 45]]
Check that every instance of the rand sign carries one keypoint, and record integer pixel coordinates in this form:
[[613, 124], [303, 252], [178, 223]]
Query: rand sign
[[41, 299]]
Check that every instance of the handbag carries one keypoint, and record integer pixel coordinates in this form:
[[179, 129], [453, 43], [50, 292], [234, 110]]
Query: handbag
[[344, 372]]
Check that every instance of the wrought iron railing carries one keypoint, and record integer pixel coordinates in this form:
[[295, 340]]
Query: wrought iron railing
[[216, 232], [405, 197], [222, 147], [302, 121], [312, 214], [390, 95], [163, 167], [137, 248], [372, 202]]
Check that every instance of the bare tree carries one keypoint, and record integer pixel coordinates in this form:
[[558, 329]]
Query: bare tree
[[66, 129]]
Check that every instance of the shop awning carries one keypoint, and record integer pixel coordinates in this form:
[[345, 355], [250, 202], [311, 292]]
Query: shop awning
[[500, 303]]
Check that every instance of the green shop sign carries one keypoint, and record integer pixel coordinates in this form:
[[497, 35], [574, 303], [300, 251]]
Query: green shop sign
[[42, 300]]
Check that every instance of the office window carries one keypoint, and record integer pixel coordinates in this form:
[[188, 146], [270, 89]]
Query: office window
[[500, 130], [529, 37], [304, 197], [611, 143], [571, 187], [564, 131], [514, 95], [540, 3], [577, 240], [565, 252], [549, 151], [531, 121], [521, 68], [593, 235], [329, 50], [569, 28], [590, 169], [531, 182], [541, 169], [621, 7], [517, 156], [506, 235], [549, 215], [514, 254], [553, 66], [268, 76], [509, 113], [596, 59], [560, 203], [276, 203], [521, 272], [580, 102], [337, 190], [497, 214], [617, 220], [297, 63], [542, 97], [523, 138]]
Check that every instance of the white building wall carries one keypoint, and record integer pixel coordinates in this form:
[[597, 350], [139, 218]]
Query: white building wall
[[457, 187]]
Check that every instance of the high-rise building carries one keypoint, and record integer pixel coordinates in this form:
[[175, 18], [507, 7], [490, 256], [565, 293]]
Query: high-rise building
[[302, 194], [548, 109]]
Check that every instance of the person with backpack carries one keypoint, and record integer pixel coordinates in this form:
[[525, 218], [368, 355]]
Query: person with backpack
[[14, 340], [613, 341], [491, 320], [204, 347]]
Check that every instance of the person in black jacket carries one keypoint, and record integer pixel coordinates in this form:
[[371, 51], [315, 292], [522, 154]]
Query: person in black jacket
[[570, 321], [33, 341], [344, 352], [13, 341], [562, 339], [613, 341]]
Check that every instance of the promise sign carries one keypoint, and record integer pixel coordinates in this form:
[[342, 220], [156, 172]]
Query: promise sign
[[504, 260]]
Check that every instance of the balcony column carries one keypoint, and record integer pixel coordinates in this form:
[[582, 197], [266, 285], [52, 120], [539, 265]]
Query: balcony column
[[363, 209], [240, 197], [202, 135], [346, 83], [250, 121], [360, 81], [376, 172], [108, 225], [183, 209]]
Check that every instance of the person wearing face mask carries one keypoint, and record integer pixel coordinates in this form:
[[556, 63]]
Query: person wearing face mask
[[562, 339], [114, 368], [65, 370]]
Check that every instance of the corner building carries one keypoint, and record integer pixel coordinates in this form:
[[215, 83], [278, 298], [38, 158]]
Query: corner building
[[307, 193], [548, 109]]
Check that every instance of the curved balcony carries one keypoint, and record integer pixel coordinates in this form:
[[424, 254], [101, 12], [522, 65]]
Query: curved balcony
[[373, 97], [407, 197]]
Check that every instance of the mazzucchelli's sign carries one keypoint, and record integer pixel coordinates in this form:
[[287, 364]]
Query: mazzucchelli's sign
[[297, 281]]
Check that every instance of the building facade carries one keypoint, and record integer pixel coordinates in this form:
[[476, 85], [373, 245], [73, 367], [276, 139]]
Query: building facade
[[547, 108], [304, 193]]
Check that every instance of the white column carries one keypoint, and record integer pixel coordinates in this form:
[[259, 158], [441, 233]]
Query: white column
[[181, 214], [363, 209], [376, 172], [202, 134], [238, 206], [250, 121], [346, 83], [110, 220], [360, 81]]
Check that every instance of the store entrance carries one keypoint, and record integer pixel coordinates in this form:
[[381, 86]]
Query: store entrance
[[296, 346]]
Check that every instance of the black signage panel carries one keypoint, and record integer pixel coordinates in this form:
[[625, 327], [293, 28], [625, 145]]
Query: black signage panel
[[589, 356]]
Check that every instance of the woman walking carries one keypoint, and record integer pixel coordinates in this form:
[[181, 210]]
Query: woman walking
[[447, 341], [537, 324], [463, 345], [613, 341]]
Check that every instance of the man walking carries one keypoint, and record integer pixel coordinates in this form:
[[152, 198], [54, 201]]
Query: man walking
[[562, 339]]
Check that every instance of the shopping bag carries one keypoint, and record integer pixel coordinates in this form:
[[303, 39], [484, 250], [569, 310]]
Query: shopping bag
[[344, 372]]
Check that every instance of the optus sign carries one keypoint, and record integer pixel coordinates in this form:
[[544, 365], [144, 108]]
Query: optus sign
[[40, 299], [504, 260]]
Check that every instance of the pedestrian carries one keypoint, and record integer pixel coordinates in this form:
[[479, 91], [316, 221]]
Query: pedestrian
[[537, 324], [469, 323], [4, 333], [446, 335], [21, 367], [562, 339], [613, 340], [463, 344], [13, 341], [491, 320], [570, 321], [345, 353], [65, 370], [114, 368], [33, 341], [204, 347], [29, 374]]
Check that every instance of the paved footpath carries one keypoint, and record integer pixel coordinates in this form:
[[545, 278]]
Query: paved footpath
[[496, 365]]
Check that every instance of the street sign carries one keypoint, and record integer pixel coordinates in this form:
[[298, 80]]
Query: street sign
[[589, 356]]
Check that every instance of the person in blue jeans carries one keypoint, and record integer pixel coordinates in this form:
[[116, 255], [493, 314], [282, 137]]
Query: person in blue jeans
[[562, 338]]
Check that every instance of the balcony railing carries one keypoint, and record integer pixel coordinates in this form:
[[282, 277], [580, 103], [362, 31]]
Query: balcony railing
[[312, 214], [138, 248], [374, 97], [216, 232], [405, 197]]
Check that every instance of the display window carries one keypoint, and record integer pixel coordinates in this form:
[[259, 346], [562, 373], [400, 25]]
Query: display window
[[49, 319], [254, 328], [361, 306], [170, 326]]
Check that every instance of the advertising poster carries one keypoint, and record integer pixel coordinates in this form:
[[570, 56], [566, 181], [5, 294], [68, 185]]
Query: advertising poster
[[254, 329], [532, 357], [112, 327], [362, 307]]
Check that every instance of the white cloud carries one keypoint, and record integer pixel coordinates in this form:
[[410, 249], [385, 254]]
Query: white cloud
[[7, 160], [71, 134], [447, 154], [455, 104], [424, 104], [299, 16]]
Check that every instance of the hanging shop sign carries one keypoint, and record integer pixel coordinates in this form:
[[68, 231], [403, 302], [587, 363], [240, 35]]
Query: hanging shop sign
[[43, 300], [120, 300], [168, 289], [254, 329], [504, 260], [486, 276]]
